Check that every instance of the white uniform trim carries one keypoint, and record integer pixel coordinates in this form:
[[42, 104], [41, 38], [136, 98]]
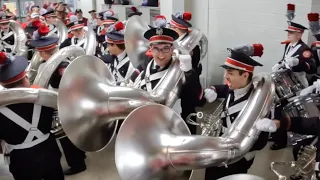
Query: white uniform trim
[[149, 78]]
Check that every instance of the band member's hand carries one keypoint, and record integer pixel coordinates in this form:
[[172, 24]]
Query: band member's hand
[[292, 61], [276, 67], [210, 95], [316, 84], [266, 125], [185, 62], [308, 90]]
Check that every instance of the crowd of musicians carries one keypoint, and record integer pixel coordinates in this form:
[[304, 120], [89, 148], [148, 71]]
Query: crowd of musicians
[[32, 151]]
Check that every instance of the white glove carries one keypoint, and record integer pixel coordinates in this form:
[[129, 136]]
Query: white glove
[[307, 90], [316, 84], [185, 63], [266, 125], [276, 67], [210, 95], [292, 61]]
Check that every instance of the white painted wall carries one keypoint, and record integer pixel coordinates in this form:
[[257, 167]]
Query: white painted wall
[[86, 6], [228, 23]]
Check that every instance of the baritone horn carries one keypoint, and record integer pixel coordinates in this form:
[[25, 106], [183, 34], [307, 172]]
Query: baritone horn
[[20, 38], [154, 142], [90, 103]]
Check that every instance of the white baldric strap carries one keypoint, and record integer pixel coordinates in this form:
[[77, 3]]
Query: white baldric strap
[[52, 31], [318, 52], [292, 51], [149, 78], [117, 66], [6, 35], [32, 129], [79, 43], [231, 110], [130, 71], [7, 45]]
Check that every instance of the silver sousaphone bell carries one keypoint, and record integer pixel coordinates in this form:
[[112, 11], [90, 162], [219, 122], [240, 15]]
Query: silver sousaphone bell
[[90, 103]]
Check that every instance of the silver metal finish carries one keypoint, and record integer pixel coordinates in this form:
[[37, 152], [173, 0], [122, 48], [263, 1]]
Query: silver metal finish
[[203, 46], [287, 85], [136, 44], [241, 177], [157, 145], [210, 123], [20, 38], [71, 52], [303, 106], [33, 66], [91, 42], [191, 41], [90, 103], [304, 166], [43, 97], [62, 31]]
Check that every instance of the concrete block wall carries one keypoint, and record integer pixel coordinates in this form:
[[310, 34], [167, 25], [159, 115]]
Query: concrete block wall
[[228, 23]]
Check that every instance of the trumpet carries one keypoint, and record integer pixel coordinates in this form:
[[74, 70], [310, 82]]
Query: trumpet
[[210, 123], [304, 166]]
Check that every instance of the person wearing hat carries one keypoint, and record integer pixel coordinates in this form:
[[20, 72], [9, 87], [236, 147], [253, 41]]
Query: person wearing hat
[[134, 11], [239, 68], [297, 57], [119, 63], [79, 15], [76, 28], [50, 18], [161, 44], [314, 24], [6, 34], [47, 46], [25, 127], [93, 21], [105, 20]]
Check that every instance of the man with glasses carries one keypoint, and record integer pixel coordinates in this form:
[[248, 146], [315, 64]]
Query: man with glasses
[[6, 34], [161, 44], [50, 19]]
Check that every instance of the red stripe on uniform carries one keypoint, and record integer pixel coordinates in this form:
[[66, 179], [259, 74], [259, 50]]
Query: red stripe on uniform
[[45, 48], [77, 26], [14, 79], [239, 64], [161, 38], [172, 22], [295, 29]]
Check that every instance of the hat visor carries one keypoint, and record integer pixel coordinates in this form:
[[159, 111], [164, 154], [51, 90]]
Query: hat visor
[[226, 67], [289, 30]]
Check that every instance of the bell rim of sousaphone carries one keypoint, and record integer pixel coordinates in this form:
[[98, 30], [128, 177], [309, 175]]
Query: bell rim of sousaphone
[[134, 30], [80, 91], [139, 139], [241, 177]]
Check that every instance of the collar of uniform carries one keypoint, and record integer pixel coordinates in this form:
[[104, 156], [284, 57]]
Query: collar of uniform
[[238, 93], [80, 38], [6, 31], [121, 56], [154, 64], [181, 37]]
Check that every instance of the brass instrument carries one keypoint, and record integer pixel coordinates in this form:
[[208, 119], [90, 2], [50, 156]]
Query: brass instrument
[[210, 123], [20, 38]]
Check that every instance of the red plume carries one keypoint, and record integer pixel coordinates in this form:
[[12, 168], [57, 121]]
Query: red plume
[[134, 9], [258, 49], [45, 6], [37, 23], [70, 35], [313, 17], [291, 7], [103, 32], [43, 30], [3, 58], [187, 16], [119, 26]]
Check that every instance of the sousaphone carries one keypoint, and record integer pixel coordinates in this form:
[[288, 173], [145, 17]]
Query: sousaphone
[[90, 103], [154, 142], [20, 38]]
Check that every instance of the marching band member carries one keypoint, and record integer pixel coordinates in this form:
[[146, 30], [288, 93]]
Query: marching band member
[[6, 35], [180, 24], [47, 46], [161, 42], [315, 31], [50, 18], [79, 14], [76, 27], [34, 153], [239, 69], [33, 24], [118, 60], [93, 21]]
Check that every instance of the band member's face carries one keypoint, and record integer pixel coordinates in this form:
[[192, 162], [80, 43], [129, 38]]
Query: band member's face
[[106, 26], [77, 33], [235, 79], [45, 55], [162, 53], [112, 48], [93, 15], [294, 36], [4, 26], [79, 15], [35, 9]]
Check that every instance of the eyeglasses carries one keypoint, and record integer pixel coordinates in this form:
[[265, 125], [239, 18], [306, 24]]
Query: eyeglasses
[[163, 50]]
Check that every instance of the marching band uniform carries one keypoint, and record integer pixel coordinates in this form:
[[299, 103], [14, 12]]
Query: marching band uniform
[[93, 21], [120, 65], [34, 153], [300, 60], [314, 24], [53, 29], [180, 21], [235, 100], [83, 19], [152, 75], [74, 24], [6, 35]]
